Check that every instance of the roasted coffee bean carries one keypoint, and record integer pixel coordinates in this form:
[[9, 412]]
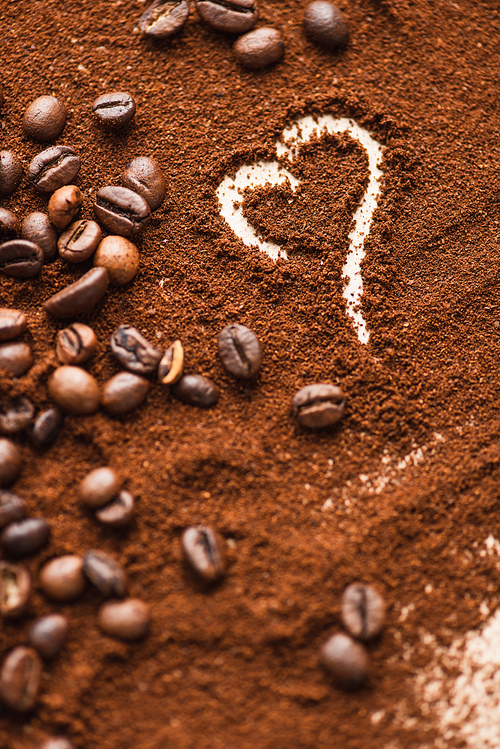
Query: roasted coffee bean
[[79, 241], [99, 487], [57, 742], [171, 366], [318, 406], [11, 171], [196, 390], [74, 390], [46, 428], [64, 205], [10, 462], [20, 679], [36, 227], [24, 537], [15, 357], [164, 18], [325, 24], [15, 590], [259, 48], [53, 168], [120, 257], [363, 611], [134, 351], [144, 176], [203, 552], [9, 225], [12, 507], [47, 635], [127, 620], [115, 109], [105, 573], [12, 323], [346, 660], [123, 392], [240, 352], [76, 344], [62, 579], [44, 119], [16, 414], [231, 16], [119, 512], [121, 211], [20, 258], [79, 296]]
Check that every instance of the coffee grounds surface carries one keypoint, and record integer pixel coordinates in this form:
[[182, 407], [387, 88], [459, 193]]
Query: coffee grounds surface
[[402, 494]]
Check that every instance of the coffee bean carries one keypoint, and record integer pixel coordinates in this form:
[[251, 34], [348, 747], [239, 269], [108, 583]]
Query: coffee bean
[[120, 257], [325, 24], [12, 507], [196, 390], [99, 487], [79, 296], [231, 16], [57, 742], [12, 323], [203, 552], [134, 351], [121, 211], [171, 366], [318, 406], [346, 660], [16, 414], [64, 205], [15, 590], [53, 168], [123, 392], [20, 679], [25, 537], [44, 119], [74, 390], [144, 176], [259, 48], [115, 109], [62, 579], [20, 258], [76, 344], [15, 357], [164, 18], [79, 241], [240, 352], [36, 227], [119, 512], [10, 462], [46, 428], [105, 573], [363, 611], [127, 620], [11, 171], [47, 635], [9, 225]]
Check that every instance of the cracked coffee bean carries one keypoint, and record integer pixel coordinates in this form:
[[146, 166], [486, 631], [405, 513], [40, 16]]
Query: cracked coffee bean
[[164, 18], [346, 660], [363, 611], [196, 390], [325, 24], [231, 16], [74, 390], [9, 225], [16, 414], [76, 344], [144, 176], [12, 323], [79, 296], [64, 205], [25, 537], [20, 258], [121, 211], [240, 352], [79, 241], [203, 552], [105, 573], [119, 512], [123, 392], [20, 679], [36, 227], [11, 171], [48, 634], [10, 462], [46, 428], [57, 742], [120, 257], [62, 578], [12, 507], [171, 366], [99, 487], [318, 406], [44, 119], [53, 168], [115, 109], [259, 48], [134, 351], [15, 590], [126, 620], [15, 357]]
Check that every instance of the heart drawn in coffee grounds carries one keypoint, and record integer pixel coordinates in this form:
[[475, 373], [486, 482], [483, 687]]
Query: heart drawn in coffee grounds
[[260, 173]]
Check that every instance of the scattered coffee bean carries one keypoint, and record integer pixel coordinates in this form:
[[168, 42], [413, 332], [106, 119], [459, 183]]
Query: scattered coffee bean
[[46, 428], [121, 211], [115, 109], [123, 392], [134, 351], [74, 390], [144, 176], [16, 414], [120, 257], [24, 537], [99, 487], [231, 16], [57, 742], [11, 171], [20, 258], [53, 168], [79, 241], [47, 635], [76, 344], [171, 366], [10, 462], [15, 590], [15, 357], [79, 296], [105, 573], [164, 18], [9, 225], [346, 660], [44, 119], [20, 679], [240, 352], [127, 620], [62, 579], [36, 227], [203, 551], [12, 323], [325, 24], [363, 611], [196, 390], [119, 512], [259, 48], [12, 507], [64, 204], [318, 406]]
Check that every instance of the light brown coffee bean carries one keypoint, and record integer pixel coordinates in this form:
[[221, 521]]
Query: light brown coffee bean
[[11, 171], [240, 351], [15, 590], [171, 366], [25, 537], [119, 512], [259, 48], [12, 323], [47, 426], [64, 204], [79, 241], [12, 507], [346, 660], [363, 611], [121, 211], [318, 406], [10, 462], [79, 296], [123, 392], [203, 551], [44, 119], [126, 620], [164, 18], [15, 357], [196, 390], [325, 24], [134, 351], [36, 227], [76, 344], [231, 16], [48, 634], [9, 225], [74, 390], [53, 168], [115, 109], [120, 257], [16, 414], [20, 679], [145, 177], [99, 487], [62, 578], [105, 573]]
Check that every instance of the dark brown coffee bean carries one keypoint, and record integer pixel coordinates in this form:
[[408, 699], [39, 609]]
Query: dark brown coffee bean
[[121, 211], [46, 428], [64, 205], [171, 366], [10, 462], [325, 24], [123, 392], [44, 119], [36, 227], [240, 352], [12, 323], [134, 351], [79, 296], [99, 487], [12, 507], [79, 241], [76, 344], [16, 414], [48, 634], [15, 357], [24, 537], [105, 573], [318, 406], [119, 512], [144, 176], [74, 390], [53, 168], [62, 579], [57, 742], [196, 390], [11, 171], [259, 48], [9, 225], [15, 590], [231, 16], [115, 109], [120, 257], [203, 552], [20, 679], [346, 660], [164, 18], [127, 620], [363, 611], [20, 258]]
